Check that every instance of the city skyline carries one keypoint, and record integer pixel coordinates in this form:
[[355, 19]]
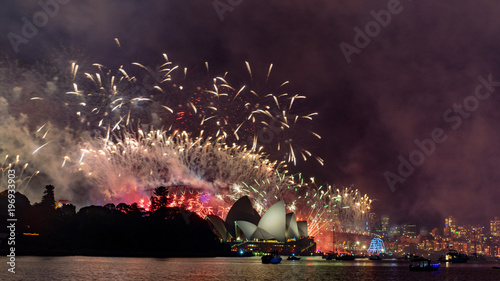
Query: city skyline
[[409, 118], [252, 140]]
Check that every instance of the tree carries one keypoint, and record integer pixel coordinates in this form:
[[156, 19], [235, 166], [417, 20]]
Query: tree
[[48, 201], [67, 210], [122, 207], [160, 200], [135, 210], [110, 206]]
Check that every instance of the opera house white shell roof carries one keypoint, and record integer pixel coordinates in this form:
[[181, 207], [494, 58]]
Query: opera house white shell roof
[[220, 226], [271, 225], [241, 210], [274, 224]]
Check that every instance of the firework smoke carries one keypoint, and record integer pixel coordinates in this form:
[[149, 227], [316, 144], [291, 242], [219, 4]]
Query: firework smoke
[[109, 136]]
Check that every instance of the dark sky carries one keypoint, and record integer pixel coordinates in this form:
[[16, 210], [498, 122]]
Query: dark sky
[[423, 64]]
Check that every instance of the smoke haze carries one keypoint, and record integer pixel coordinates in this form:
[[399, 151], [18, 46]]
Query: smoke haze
[[371, 110]]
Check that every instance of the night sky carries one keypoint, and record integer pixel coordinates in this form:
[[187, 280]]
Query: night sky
[[429, 71]]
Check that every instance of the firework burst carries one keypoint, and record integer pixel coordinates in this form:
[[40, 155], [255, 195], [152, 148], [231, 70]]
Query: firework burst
[[128, 131], [164, 98]]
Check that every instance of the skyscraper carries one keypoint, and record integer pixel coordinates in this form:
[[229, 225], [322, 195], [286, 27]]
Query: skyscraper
[[495, 227], [385, 223], [450, 226]]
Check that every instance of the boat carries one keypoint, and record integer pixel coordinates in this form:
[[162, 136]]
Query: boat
[[454, 257], [330, 256], [243, 253], [327, 255], [345, 257], [272, 258], [496, 267], [339, 255], [293, 257], [374, 258], [424, 265]]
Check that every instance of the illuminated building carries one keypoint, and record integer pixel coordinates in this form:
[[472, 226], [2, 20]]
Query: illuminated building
[[435, 233], [395, 230], [242, 221], [275, 231], [495, 227], [450, 227], [424, 231], [385, 223], [374, 225], [273, 225], [410, 229], [305, 246], [376, 246]]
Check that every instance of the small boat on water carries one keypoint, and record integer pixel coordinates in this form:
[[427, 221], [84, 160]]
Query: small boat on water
[[375, 258], [496, 267], [424, 265], [454, 257], [272, 258], [340, 255], [328, 256], [293, 257], [345, 257]]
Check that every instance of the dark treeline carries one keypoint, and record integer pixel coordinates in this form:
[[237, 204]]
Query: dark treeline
[[109, 230]]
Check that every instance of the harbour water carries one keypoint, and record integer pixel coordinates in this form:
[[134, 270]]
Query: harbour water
[[250, 268]]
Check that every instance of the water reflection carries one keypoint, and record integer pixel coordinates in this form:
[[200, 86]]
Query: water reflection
[[309, 268]]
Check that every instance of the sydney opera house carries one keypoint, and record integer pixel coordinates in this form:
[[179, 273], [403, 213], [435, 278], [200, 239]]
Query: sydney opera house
[[276, 230]]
